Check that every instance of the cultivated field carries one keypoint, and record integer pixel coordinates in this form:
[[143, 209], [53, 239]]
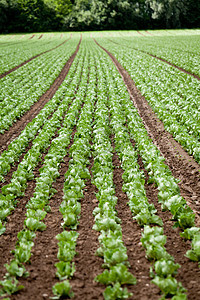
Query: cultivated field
[[100, 165]]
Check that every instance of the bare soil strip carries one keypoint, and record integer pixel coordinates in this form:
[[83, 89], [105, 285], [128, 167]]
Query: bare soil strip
[[40, 36], [15, 223], [30, 59], [189, 273], [141, 33], [88, 266], [181, 164], [162, 59], [149, 33], [13, 168], [44, 253], [15, 130], [131, 233], [169, 63], [16, 220]]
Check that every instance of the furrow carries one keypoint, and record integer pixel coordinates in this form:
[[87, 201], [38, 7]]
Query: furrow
[[44, 252], [131, 233], [88, 266], [189, 272], [30, 59], [182, 165], [15, 130], [162, 59]]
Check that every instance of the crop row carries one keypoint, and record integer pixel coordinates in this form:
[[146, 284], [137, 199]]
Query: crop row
[[75, 178], [173, 95], [153, 238], [95, 100], [159, 173], [175, 52], [13, 54], [22, 88], [48, 127], [112, 248], [37, 206]]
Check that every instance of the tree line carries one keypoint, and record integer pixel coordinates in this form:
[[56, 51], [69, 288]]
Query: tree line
[[65, 15]]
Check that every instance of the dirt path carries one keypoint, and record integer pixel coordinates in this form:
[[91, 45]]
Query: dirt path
[[169, 63], [141, 33], [181, 164], [15, 130], [131, 233], [44, 253], [189, 273], [30, 59], [15, 223], [88, 266]]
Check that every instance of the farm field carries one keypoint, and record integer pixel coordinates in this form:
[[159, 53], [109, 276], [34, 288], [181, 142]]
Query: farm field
[[100, 165]]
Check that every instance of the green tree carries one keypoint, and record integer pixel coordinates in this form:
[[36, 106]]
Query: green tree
[[167, 13], [102, 14]]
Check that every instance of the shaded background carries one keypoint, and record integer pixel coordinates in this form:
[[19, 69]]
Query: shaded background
[[65, 15]]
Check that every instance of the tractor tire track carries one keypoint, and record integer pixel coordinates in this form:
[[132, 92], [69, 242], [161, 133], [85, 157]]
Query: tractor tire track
[[88, 266], [30, 59], [182, 165], [44, 253], [162, 59], [15, 130], [189, 272], [131, 234]]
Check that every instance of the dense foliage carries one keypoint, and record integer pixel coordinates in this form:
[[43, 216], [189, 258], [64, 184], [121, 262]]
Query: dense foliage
[[87, 131], [49, 15]]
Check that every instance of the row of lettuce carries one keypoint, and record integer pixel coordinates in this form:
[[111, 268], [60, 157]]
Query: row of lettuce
[[112, 248], [24, 87], [180, 51], [39, 133], [122, 113], [71, 95], [16, 51], [172, 94], [107, 110]]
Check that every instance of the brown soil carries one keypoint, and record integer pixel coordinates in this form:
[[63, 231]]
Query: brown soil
[[15, 224], [44, 253], [149, 33], [162, 59], [141, 33], [30, 59], [88, 266], [32, 37], [15, 130], [131, 232], [40, 36], [182, 165], [189, 273]]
